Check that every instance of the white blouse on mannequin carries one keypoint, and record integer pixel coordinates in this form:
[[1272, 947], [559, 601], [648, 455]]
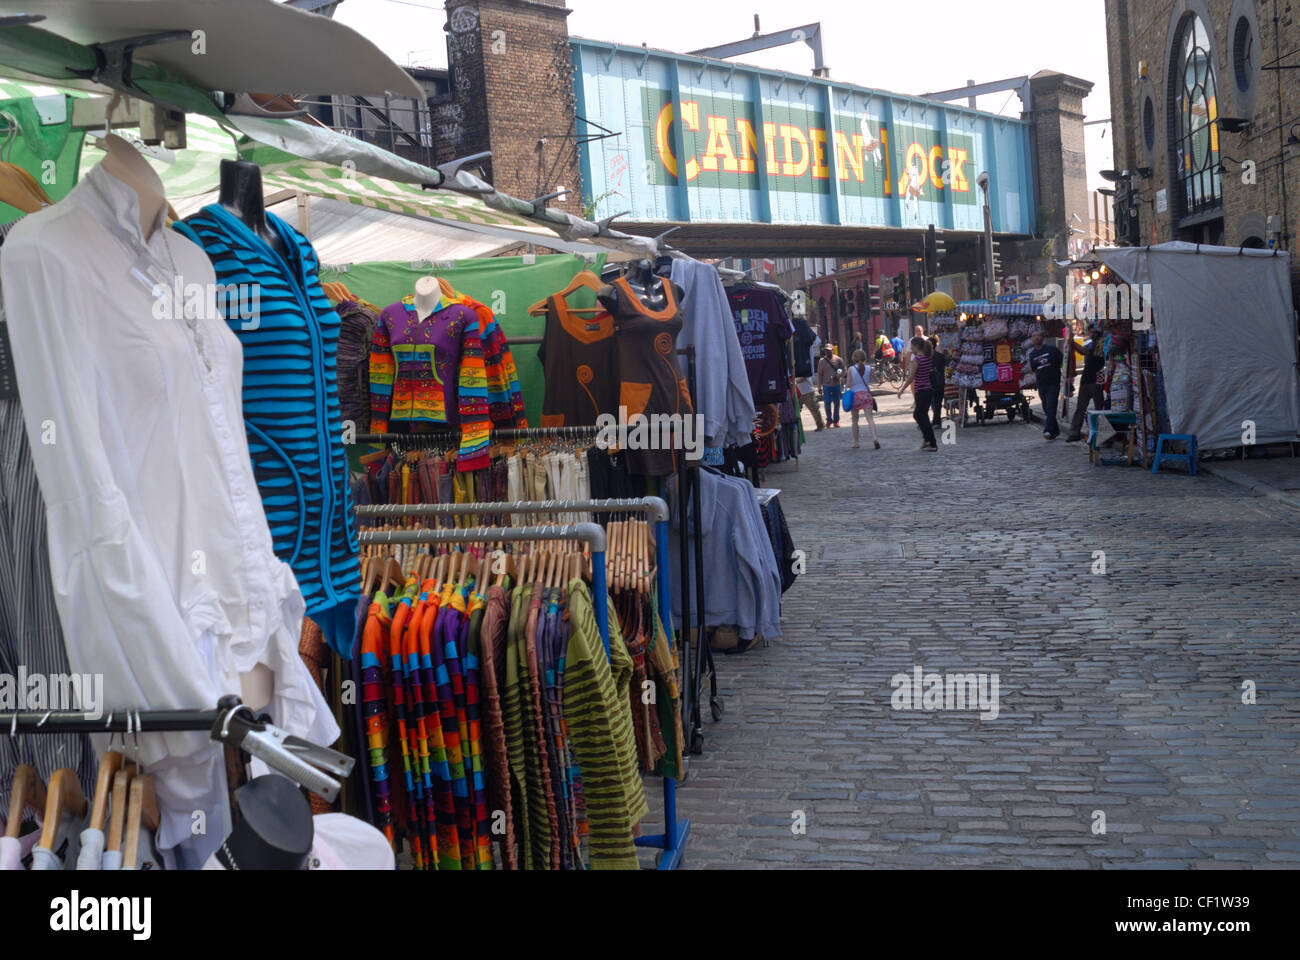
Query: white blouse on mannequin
[[163, 567]]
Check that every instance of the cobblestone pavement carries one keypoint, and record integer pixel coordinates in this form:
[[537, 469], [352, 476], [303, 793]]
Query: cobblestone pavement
[[1120, 695]]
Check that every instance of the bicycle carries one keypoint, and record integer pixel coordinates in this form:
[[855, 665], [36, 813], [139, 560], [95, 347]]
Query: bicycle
[[887, 370]]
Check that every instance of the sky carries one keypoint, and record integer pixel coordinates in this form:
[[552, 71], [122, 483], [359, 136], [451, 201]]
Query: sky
[[912, 48]]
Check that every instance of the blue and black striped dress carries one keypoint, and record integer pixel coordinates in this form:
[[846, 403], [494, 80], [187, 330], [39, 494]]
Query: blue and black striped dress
[[289, 331]]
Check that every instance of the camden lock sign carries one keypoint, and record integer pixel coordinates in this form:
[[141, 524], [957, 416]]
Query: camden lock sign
[[671, 138], [800, 153]]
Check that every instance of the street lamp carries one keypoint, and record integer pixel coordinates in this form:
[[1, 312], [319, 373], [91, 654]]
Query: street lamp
[[989, 280]]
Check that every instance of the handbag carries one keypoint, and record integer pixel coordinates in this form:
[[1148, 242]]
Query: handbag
[[846, 402]]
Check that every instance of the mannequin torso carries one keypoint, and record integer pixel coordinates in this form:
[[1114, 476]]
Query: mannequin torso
[[428, 294], [124, 162], [241, 194]]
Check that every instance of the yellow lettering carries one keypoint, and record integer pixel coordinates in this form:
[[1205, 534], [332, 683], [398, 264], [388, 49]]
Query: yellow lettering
[[889, 161], [914, 175], [820, 170], [792, 135], [719, 147], [748, 145], [848, 152], [957, 158], [769, 144], [936, 167], [663, 145]]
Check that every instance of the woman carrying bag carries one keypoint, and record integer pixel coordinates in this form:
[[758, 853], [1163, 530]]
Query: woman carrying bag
[[860, 389]]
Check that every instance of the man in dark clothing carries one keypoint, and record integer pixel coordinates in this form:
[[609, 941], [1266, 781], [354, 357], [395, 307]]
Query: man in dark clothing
[[1091, 383], [938, 380], [1046, 363]]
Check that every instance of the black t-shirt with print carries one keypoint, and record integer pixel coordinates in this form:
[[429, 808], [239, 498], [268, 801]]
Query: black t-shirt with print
[[1046, 364]]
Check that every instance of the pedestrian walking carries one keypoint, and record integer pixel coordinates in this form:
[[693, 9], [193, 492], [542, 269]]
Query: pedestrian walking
[[830, 371], [1092, 388], [1046, 363], [938, 379], [860, 384], [808, 397], [919, 374]]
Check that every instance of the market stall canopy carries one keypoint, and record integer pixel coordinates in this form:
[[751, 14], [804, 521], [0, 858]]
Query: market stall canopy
[[1018, 308], [1225, 325], [245, 46]]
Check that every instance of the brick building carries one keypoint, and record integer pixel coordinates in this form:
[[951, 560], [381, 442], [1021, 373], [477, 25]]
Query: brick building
[[1200, 120], [511, 92]]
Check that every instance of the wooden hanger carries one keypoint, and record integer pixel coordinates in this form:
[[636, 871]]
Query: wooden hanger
[[585, 279], [32, 183], [109, 764], [117, 809], [142, 808], [27, 793], [15, 190], [63, 797]]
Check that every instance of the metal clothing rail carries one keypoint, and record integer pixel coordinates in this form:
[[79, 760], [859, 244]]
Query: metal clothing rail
[[676, 832], [503, 433], [232, 724]]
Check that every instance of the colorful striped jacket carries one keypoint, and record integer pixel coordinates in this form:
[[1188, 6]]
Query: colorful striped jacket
[[453, 368], [289, 331]]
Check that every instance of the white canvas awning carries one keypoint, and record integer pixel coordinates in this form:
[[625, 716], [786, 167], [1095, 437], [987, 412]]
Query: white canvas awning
[[1225, 324]]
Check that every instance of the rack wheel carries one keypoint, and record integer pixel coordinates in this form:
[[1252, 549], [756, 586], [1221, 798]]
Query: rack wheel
[[697, 742], [1011, 415], [717, 708]]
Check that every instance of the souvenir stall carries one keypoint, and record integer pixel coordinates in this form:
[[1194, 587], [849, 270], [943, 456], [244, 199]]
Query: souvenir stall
[[989, 359]]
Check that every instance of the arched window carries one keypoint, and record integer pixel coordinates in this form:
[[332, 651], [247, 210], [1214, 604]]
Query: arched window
[[1194, 88]]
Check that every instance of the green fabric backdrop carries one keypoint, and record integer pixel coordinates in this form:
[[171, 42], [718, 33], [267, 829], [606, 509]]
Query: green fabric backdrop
[[505, 284]]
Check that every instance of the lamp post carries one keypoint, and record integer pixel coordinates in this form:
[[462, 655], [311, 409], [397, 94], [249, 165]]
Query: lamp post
[[990, 282]]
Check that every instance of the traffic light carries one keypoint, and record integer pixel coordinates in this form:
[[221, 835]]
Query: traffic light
[[887, 287], [997, 262], [874, 299], [848, 308], [935, 251]]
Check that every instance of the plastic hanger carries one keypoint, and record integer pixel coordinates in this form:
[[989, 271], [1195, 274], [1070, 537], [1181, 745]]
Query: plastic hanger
[[109, 764], [27, 793], [63, 797], [585, 279], [142, 808]]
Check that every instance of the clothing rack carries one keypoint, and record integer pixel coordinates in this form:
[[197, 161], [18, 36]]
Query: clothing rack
[[676, 832], [688, 486]]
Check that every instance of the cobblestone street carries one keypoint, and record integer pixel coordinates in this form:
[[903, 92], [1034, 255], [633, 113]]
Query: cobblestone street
[[1121, 696]]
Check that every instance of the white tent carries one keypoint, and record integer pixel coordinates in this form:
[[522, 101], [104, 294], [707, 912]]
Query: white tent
[[1226, 329]]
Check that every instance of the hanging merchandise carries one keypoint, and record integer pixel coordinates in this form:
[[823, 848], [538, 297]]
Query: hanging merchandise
[[441, 358], [491, 685], [989, 354], [723, 393], [744, 588], [646, 323], [160, 553], [764, 329], [30, 634], [579, 356], [274, 303]]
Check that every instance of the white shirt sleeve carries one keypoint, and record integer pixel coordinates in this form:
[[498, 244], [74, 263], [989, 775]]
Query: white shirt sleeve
[[118, 609]]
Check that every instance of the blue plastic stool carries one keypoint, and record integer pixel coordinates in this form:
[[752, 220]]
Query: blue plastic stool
[[1188, 458]]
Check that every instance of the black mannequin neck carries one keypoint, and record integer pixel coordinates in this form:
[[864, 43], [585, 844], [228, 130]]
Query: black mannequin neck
[[274, 829], [241, 194]]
